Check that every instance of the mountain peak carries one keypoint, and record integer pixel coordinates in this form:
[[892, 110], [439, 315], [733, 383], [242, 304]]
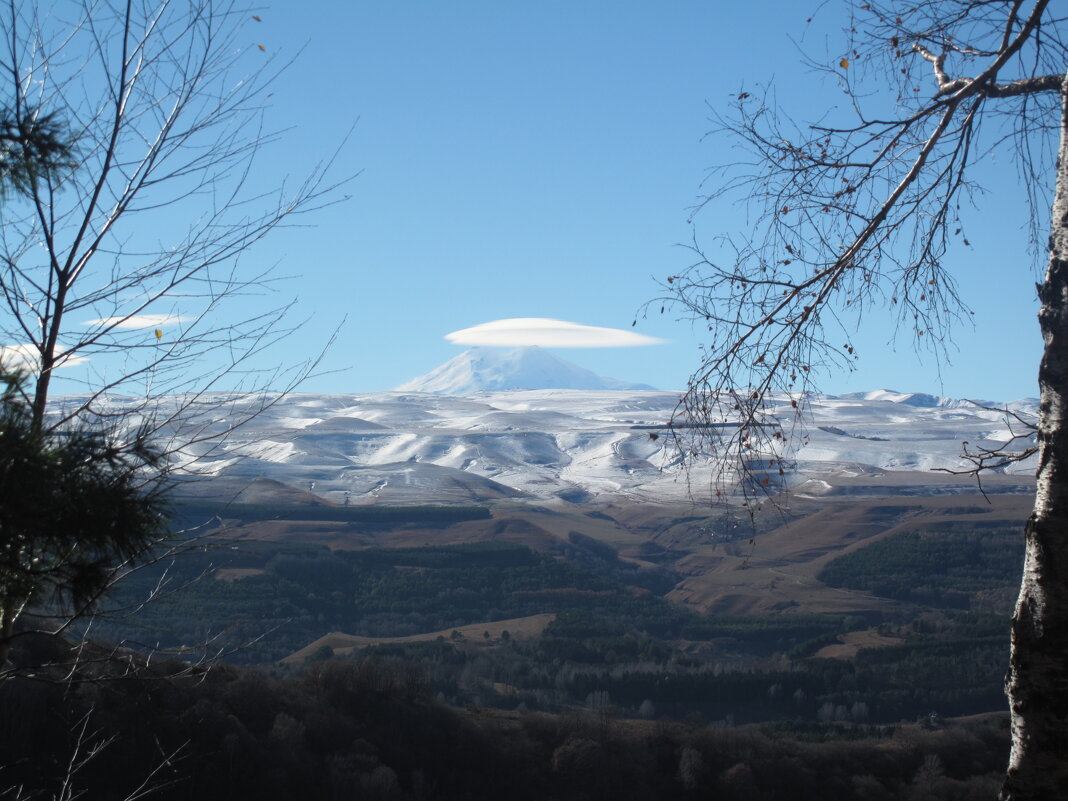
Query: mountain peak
[[494, 369]]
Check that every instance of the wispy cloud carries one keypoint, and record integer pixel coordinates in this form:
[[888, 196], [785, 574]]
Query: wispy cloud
[[139, 321], [548, 333], [26, 357]]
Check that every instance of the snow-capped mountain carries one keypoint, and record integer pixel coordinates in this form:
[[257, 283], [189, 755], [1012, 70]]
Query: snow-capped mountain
[[495, 370], [576, 445]]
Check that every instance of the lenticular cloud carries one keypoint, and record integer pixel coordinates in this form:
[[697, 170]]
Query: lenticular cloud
[[136, 321], [517, 332]]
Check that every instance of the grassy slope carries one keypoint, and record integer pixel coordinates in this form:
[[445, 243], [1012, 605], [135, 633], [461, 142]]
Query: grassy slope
[[345, 644]]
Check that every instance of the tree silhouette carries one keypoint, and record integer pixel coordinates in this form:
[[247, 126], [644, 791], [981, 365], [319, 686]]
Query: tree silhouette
[[129, 134], [858, 214]]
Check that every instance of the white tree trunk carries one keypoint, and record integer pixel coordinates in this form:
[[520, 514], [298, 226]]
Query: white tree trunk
[[1037, 682]]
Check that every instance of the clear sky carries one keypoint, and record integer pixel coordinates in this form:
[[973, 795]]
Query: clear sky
[[539, 159]]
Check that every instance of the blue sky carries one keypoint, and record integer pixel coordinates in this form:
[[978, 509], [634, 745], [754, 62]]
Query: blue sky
[[522, 159]]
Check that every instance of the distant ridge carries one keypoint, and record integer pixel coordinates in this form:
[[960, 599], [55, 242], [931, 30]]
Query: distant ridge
[[574, 446], [919, 399], [494, 370]]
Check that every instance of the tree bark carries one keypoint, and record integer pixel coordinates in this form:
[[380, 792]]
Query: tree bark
[[1037, 682], [7, 629]]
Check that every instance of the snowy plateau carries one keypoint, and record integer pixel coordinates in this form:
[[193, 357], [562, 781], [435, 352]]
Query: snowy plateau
[[452, 442], [575, 446]]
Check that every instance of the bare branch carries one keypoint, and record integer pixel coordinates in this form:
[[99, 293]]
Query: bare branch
[[847, 217]]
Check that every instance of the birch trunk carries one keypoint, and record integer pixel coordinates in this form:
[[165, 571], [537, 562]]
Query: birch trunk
[[1037, 682]]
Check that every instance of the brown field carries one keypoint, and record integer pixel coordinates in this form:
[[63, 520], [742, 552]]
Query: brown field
[[775, 571], [341, 536], [475, 633], [848, 644], [230, 574]]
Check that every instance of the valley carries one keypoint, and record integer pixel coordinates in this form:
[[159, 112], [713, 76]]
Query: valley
[[364, 527], [372, 605]]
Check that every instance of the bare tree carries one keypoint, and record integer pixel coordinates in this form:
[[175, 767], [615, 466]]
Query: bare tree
[[857, 211], [130, 263], [129, 136]]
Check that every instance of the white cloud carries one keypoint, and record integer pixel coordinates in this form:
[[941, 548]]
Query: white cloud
[[139, 321], [548, 333], [26, 357]]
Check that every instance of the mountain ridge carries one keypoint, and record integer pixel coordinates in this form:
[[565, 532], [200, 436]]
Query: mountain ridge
[[575, 445]]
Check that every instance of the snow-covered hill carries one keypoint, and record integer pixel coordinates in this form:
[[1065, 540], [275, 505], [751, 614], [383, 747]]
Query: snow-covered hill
[[395, 447], [494, 369]]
